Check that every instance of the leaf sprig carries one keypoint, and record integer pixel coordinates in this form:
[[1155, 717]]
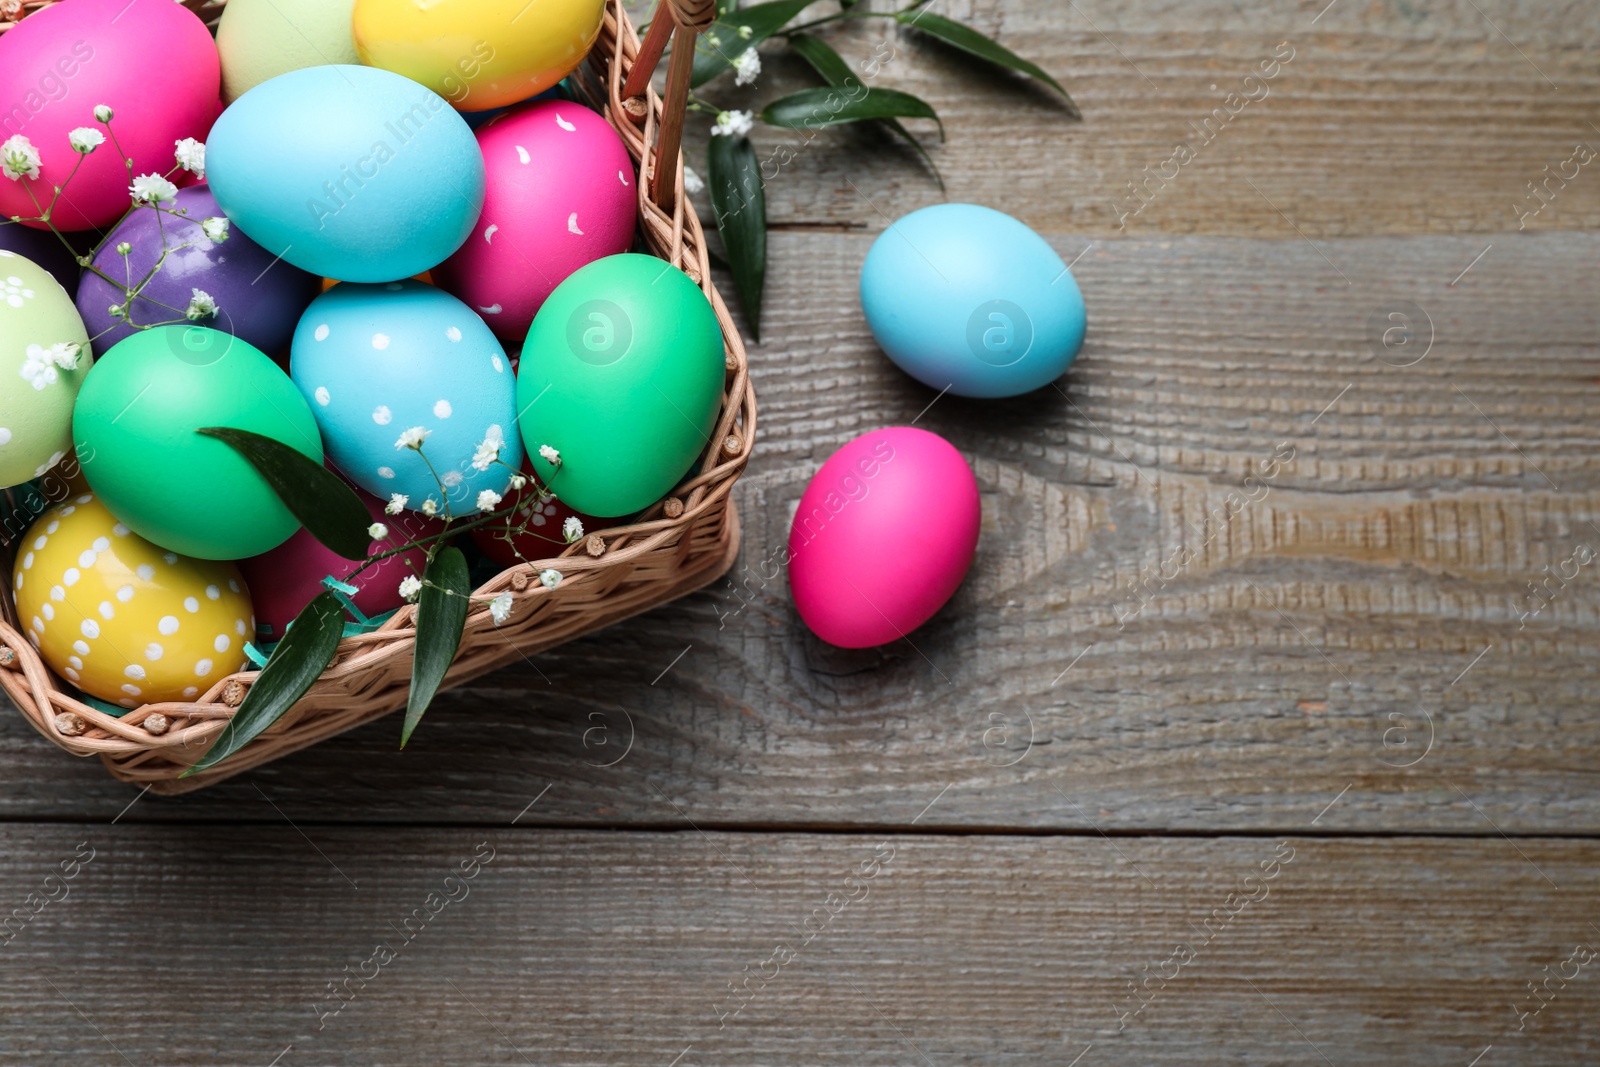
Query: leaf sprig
[[736, 174]]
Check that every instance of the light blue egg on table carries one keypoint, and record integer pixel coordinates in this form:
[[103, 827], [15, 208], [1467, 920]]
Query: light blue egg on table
[[375, 361], [350, 172], [966, 298]]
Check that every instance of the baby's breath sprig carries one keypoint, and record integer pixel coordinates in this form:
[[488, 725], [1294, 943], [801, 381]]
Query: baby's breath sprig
[[20, 158]]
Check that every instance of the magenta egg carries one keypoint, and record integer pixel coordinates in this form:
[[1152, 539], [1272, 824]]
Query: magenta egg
[[284, 580], [152, 62], [883, 536], [559, 194], [259, 297]]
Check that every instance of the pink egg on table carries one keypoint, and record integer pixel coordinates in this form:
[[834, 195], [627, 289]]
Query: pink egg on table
[[284, 580], [883, 535], [560, 193], [153, 62]]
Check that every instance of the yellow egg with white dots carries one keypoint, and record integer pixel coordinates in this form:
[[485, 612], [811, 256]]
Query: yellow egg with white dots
[[122, 619]]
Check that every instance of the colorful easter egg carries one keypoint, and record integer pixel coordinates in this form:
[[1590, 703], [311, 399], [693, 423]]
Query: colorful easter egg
[[135, 428], [151, 61], [44, 353], [348, 172], [884, 533], [258, 297], [122, 619], [261, 39], [622, 374], [380, 361], [536, 530], [286, 579], [968, 299], [478, 54], [559, 194]]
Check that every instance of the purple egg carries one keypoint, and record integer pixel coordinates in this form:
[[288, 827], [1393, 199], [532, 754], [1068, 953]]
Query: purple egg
[[45, 249], [259, 297]]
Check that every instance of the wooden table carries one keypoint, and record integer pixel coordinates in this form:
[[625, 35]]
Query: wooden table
[[1189, 772]]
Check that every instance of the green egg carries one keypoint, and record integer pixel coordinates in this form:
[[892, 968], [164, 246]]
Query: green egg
[[36, 318], [134, 426], [622, 373]]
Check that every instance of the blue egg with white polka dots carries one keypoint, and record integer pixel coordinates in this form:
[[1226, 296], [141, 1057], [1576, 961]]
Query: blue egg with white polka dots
[[392, 366]]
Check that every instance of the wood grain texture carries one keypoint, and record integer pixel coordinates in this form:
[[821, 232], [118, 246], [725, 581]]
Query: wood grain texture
[[217, 947], [1393, 117], [1355, 630]]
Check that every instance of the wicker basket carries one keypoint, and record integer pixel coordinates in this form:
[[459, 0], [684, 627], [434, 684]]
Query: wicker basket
[[681, 544]]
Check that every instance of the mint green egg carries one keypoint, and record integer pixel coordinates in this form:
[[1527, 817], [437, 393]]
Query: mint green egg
[[135, 429], [622, 374], [37, 317]]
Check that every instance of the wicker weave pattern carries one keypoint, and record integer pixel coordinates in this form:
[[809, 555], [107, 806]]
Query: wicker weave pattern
[[679, 545]]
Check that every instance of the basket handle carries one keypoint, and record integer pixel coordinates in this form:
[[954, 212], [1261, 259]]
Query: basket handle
[[682, 21]]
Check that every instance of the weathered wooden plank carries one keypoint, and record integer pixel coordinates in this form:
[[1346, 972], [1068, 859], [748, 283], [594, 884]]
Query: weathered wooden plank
[[1356, 630], [1393, 118], [217, 946]]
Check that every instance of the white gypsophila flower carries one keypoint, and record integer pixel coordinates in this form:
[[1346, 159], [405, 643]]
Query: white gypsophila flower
[[746, 32], [215, 229], [430, 507], [190, 155], [123, 248], [396, 504], [692, 182], [487, 499], [517, 482], [733, 124], [410, 586], [488, 451], [412, 438], [377, 531], [38, 367], [747, 68], [572, 529], [201, 306], [102, 113], [65, 355], [500, 608], [19, 159], [85, 139], [550, 455], [152, 189], [116, 311], [550, 578]]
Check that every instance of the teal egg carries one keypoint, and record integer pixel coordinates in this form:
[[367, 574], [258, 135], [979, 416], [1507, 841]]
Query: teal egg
[[622, 374], [134, 428], [348, 172], [968, 299]]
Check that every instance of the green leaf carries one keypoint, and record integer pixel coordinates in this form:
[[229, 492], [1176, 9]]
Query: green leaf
[[837, 73], [441, 616], [812, 109], [974, 43], [324, 505], [740, 204], [307, 648], [722, 43]]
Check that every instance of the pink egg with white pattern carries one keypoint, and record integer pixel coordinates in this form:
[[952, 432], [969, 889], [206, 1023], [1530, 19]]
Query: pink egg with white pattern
[[560, 193]]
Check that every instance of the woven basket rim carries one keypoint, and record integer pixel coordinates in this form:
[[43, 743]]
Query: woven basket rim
[[699, 507]]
